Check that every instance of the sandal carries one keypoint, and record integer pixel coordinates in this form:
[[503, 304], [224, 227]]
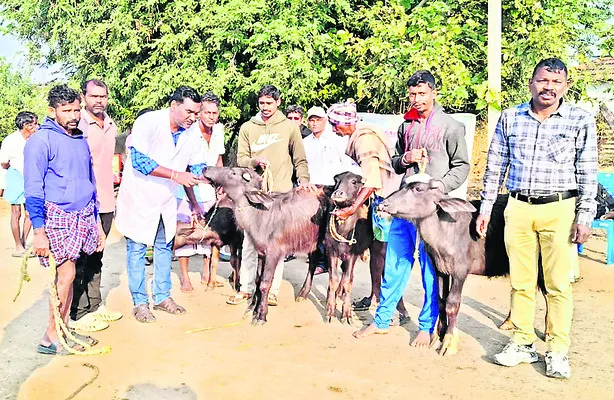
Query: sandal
[[88, 323], [84, 338], [142, 313], [362, 305], [170, 307], [238, 298], [52, 349], [272, 300], [106, 315]]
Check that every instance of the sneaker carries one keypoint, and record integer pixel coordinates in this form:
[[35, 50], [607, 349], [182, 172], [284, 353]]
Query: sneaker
[[514, 354], [557, 365], [104, 314]]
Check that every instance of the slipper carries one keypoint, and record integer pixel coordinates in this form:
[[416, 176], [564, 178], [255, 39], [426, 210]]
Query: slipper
[[52, 349], [18, 253], [84, 338], [238, 298], [88, 323], [143, 314], [170, 307], [106, 315], [362, 305], [272, 300]]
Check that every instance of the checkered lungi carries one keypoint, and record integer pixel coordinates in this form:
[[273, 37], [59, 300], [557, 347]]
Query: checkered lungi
[[69, 233]]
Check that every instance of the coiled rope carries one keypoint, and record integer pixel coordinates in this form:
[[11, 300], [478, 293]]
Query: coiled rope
[[60, 327]]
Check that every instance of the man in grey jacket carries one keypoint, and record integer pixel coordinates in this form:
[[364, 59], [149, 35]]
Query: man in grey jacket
[[430, 137]]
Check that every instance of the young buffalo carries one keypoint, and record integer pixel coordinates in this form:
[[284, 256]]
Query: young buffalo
[[342, 241], [277, 224], [447, 227]]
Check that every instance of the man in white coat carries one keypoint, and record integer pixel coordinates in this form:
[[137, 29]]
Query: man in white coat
[[162, 150]]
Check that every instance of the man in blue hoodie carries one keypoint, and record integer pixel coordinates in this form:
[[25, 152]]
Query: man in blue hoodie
[[433, 139], [61, 199]]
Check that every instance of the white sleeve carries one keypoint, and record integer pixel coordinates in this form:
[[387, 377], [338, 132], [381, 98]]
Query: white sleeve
[[5, 150], [218, 138]]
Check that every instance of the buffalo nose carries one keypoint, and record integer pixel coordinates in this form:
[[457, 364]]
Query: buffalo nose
[[339, 193]]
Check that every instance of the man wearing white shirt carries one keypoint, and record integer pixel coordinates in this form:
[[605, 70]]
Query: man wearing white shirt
[[11, 159], [326, 158], [212, 140], [162, 149], [325, 150]]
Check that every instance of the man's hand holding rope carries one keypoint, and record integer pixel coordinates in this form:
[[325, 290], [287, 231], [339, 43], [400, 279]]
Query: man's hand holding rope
[[363, 196]]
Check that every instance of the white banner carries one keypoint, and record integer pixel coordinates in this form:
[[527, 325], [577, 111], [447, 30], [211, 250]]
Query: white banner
[[390, 124]]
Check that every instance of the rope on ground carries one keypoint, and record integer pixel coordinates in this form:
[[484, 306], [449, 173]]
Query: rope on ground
[[23, 276], [210, 328], [60, 326], [96, 373]]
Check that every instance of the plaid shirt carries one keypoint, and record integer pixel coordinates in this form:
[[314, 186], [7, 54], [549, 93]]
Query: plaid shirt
[[544, 158], [145, 165]]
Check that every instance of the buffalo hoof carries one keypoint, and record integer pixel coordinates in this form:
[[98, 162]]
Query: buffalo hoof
[[300, 298], [347, 320], [258, 322], [328, 319], [449, 346]]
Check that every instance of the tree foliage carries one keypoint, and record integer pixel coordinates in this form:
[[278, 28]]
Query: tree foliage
[[573, 30], [17, 93], [315, 51]]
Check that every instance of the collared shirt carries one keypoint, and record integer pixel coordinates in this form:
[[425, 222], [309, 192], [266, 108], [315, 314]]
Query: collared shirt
[[326, 157], [544, 158], [102, 146], [57, 169], [213, 148], [12, 150]]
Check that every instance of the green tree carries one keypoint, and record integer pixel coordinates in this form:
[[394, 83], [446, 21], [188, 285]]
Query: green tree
[[17, 93], [573, 30], [316, 52]]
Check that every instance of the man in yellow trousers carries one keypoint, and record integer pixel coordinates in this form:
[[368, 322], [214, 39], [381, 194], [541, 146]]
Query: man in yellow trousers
[[550, 148]]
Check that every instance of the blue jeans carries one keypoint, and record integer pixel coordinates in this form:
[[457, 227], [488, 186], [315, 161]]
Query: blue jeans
[[399, 262], [163, 253]]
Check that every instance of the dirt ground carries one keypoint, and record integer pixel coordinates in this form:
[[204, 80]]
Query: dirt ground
[[295, 355]]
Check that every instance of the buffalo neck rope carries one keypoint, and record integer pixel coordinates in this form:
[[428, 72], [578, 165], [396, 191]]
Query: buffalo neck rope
[[422, 170], [204, 228], [60, 327], [332, 228]]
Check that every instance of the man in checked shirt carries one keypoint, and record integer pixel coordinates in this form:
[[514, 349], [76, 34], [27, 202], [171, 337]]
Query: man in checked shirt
[[550, 148]]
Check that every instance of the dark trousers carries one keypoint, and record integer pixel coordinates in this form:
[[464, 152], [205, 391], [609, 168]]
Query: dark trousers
[[86, 286]]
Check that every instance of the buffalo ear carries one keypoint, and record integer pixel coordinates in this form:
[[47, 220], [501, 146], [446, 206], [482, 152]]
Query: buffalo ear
[[453, 204], [258, 197]]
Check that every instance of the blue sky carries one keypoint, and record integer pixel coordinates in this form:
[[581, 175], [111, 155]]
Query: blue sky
[[15, 52]]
